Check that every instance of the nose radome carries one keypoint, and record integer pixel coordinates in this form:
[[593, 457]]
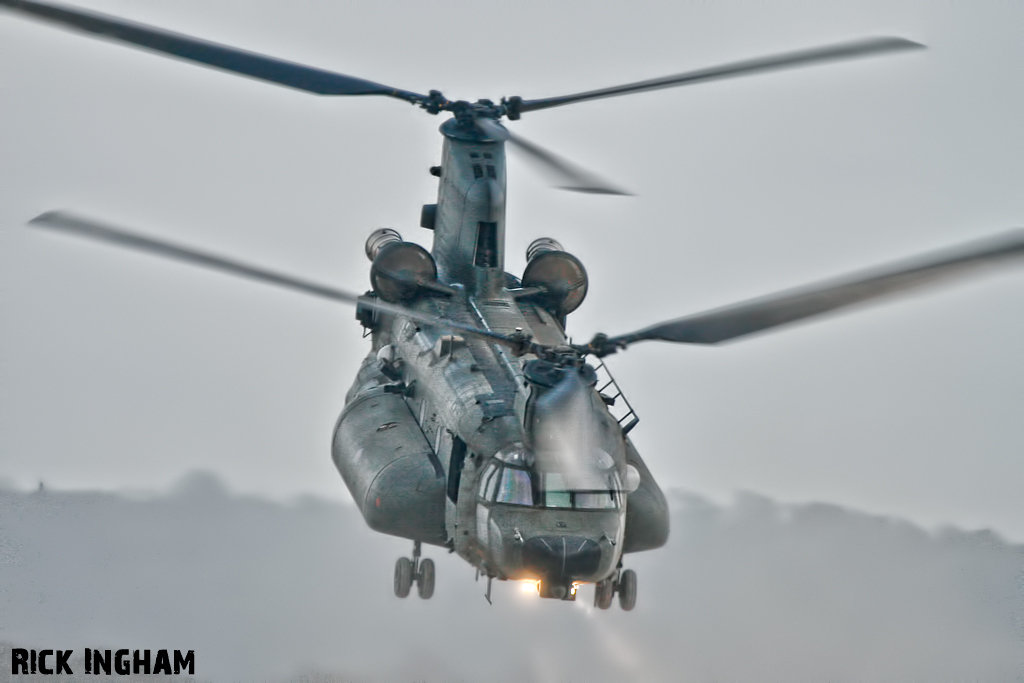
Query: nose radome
[[562, 557]]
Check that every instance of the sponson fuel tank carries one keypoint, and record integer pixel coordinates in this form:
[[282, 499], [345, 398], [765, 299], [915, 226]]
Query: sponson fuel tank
[[387, 463]]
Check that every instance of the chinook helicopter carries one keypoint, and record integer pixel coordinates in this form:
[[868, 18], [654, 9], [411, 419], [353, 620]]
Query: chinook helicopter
[[474, 423]]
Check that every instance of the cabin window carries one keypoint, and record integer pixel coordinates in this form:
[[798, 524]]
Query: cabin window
[[478, 171], [486, 245], [491, 173]]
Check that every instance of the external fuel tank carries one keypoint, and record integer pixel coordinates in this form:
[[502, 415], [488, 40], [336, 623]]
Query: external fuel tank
[[387, 463]]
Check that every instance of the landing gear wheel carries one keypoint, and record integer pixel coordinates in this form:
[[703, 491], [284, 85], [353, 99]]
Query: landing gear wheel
[[425, 579], [627, 590], [403, 576], [604, 591]]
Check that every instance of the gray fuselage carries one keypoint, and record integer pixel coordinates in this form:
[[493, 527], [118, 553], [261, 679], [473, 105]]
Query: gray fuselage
[[435, 442]]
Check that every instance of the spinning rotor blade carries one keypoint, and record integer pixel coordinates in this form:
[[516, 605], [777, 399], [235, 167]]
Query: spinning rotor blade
[[789, 306], [223, 57], [565, 437], [569, 176], [815, 55], [57, 220]]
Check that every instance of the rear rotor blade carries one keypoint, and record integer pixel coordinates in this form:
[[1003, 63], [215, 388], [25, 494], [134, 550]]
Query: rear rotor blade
[[83, 227], [787, 60], [568, 175], [793, 305], [223, 57]]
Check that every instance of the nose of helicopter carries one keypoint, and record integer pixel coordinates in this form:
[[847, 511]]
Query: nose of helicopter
[[562, 558]]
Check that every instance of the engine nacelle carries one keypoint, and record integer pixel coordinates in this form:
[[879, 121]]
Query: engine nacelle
[[559, 273], [400, 269]]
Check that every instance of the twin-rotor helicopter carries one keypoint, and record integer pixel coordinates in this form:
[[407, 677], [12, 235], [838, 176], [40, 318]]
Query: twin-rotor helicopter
[[474, 423]]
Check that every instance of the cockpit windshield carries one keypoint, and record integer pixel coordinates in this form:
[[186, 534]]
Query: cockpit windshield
[[521, 485], [515, 487]]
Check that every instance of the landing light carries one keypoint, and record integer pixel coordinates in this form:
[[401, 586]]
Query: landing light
[[530, 587]]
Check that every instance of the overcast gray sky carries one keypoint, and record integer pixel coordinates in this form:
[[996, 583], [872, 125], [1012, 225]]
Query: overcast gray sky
[[117, 370]]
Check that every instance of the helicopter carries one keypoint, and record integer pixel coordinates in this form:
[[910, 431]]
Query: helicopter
[[474, 423]]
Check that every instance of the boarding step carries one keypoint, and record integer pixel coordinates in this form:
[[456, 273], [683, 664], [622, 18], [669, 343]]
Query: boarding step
[[617, 403]]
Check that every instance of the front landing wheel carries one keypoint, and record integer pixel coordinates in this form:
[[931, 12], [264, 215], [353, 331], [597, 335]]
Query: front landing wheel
[[604, 591], [403, 576], [627, 590]]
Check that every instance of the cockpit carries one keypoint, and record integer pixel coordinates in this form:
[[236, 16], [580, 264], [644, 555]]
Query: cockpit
[[511, 480]]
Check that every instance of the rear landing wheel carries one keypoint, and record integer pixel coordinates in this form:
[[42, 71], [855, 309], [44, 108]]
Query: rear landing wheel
[[603, 593], [425, 579], [403, 576], [627, 590]]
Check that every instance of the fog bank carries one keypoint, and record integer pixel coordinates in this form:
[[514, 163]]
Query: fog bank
[[751, 591]]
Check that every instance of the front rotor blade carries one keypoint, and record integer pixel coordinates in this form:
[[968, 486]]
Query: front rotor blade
[[568, 175], [787, 60], [223, 57], [790, 306], [565, 436], [83, 227]]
